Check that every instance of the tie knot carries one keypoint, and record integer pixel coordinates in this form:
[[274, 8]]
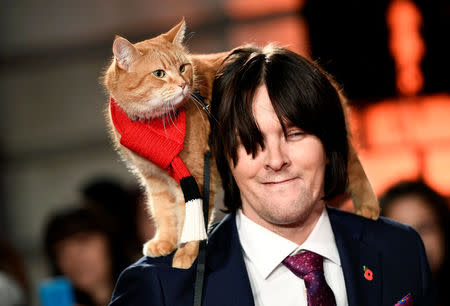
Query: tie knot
[[303, 263]]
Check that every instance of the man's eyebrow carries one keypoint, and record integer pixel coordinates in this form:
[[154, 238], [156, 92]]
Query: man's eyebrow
[[288, 124]]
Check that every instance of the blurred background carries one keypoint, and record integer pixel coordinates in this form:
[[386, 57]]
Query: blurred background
[[390, 56]]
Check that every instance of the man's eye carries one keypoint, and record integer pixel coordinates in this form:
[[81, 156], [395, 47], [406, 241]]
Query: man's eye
[[159, 73], [294, 134]]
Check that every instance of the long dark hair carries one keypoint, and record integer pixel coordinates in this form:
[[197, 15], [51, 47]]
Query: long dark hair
[[300, 92]]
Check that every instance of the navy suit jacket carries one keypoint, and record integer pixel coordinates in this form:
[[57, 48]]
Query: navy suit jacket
[[392, 251]]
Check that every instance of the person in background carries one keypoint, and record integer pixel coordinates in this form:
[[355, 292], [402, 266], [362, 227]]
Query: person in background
[[417, 204], [80, 245], [145, 227], [120, 205], [14, 288]]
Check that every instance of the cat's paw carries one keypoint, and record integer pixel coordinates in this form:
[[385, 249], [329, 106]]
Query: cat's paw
[[156, 248], [183, 261], [185, 256], [369, 211]]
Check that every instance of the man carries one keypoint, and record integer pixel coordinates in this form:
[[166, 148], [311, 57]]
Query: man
[[280, 142]]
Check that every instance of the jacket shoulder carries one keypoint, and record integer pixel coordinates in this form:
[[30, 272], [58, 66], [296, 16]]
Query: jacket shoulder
[[394, 247], [148, 281], [372, 228]]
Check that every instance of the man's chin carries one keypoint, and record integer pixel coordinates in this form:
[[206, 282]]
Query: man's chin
[[288, 221], [289, 217]]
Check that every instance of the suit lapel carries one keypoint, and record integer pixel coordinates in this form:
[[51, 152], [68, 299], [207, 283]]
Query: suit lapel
[[361, 263], [227, 279]]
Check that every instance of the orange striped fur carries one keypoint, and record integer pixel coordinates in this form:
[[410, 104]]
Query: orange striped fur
[[142, 95]]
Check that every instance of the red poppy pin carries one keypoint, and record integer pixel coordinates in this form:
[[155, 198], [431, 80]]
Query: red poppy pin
[[368, 274]]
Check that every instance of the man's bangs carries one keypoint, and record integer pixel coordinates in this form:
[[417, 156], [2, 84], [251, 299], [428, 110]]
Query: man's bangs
[[246, 129], [290, 111], [248, 80], [249, 135]]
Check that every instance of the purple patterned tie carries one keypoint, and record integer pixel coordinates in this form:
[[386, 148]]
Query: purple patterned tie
[[309, 266]]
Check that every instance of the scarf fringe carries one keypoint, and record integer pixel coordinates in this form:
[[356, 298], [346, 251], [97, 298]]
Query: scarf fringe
[[194, 223]]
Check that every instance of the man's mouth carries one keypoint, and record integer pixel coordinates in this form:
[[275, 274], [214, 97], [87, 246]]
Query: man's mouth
[[279, 182]]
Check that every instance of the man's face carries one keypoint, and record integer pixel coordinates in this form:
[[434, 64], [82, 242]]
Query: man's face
[[283, 184]]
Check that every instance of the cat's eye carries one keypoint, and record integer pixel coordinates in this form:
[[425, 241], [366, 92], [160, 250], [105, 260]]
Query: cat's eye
[[183, 68], [159, 73]]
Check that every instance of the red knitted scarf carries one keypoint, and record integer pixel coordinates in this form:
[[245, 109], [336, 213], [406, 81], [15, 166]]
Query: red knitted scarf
[[158, 141], [161, 143]]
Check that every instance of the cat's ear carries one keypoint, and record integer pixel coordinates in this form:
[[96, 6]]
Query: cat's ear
[[124, 52], [176, 34]]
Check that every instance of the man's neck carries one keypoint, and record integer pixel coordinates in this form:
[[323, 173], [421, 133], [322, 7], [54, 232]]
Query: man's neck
[[297, 232]]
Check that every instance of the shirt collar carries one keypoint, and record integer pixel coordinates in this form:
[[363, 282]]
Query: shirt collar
[[266, 250], [321, 240]]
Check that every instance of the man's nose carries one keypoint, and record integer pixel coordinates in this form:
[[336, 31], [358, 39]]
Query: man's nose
[[276, 157]]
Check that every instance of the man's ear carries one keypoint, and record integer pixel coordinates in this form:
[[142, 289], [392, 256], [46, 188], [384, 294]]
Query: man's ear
[[124, 52]]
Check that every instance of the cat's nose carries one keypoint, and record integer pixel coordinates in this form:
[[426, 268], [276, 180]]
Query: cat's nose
[[182, 85]]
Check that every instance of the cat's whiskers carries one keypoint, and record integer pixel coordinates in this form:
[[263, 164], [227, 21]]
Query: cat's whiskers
[[174, 113], [196, 103], [167, 112], [169, 116], [172, 109], [201, 87], [167, 109], [164, 122]]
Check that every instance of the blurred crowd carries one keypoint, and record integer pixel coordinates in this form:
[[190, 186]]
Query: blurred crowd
[[91, 242], [417, 204]]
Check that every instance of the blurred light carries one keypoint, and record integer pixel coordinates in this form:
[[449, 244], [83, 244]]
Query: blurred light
[[290, 32], [383, 125], [431, 124], [418, 121], [437, 167], [386, 166], [405, 139], [241, 9], [404, 21]]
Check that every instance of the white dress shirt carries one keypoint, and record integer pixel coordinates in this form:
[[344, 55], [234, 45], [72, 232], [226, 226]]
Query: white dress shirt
[[274, 284]]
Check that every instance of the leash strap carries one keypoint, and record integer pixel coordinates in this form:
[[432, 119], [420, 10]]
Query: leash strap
[[196, 96], [201, 259], [200, 276]]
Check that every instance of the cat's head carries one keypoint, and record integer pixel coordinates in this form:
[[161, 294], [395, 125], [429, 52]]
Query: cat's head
[[153, 77]]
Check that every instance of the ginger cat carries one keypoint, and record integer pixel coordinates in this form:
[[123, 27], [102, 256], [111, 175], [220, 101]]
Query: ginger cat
[[154, 78]]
